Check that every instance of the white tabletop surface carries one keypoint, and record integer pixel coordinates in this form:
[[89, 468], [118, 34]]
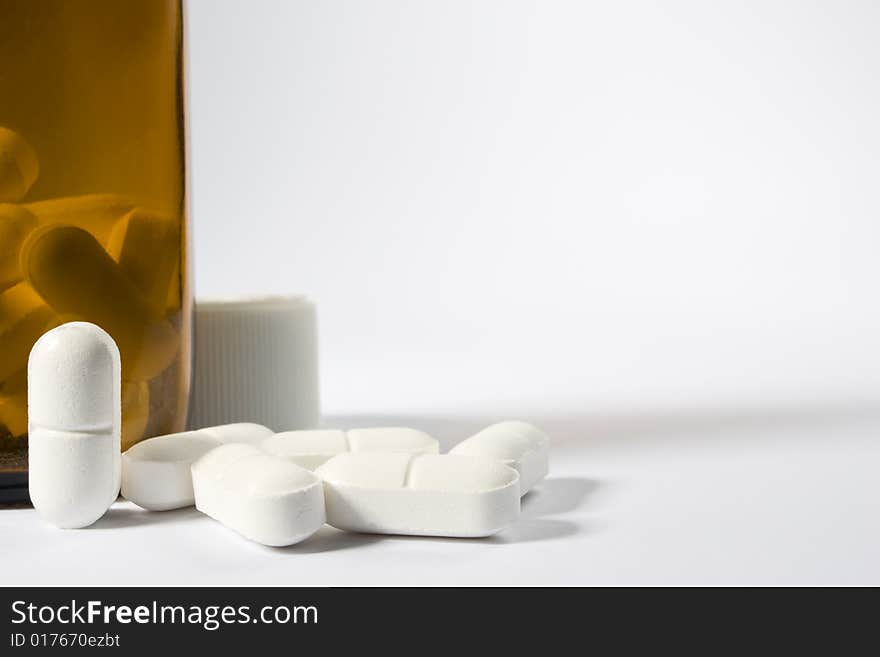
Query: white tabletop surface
[[784, 496], [505, 204]]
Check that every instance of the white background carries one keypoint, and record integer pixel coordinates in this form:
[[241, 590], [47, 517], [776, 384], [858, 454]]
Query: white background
[[649, 227], [567, 205]]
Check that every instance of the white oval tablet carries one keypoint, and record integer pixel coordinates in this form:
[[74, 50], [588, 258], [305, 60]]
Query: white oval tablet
[[425, 495], [74, 421], [239, 432], [391, 439], [156, 472], [310, 449], [263, 498], [520, 445]]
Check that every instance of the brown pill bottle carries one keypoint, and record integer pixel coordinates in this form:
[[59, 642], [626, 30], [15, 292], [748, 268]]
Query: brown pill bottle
[[93, 203]]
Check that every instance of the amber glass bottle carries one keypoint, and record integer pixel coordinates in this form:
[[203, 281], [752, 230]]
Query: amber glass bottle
[[93, 203]]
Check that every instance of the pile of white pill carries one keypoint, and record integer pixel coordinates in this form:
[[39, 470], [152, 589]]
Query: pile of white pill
[[273, 488]]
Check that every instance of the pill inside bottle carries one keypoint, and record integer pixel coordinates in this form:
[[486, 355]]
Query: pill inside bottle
[[93, 204]]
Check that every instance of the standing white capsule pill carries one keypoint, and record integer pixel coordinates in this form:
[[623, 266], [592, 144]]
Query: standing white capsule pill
[[74, 420]]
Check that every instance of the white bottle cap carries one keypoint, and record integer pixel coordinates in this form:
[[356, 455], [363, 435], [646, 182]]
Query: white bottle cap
[[256, 360]]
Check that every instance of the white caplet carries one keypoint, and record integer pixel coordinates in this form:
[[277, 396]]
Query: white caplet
[[520, 445], [263, 498], [74, 420], [156, 472], [239, 432], [426, 495], [311, 449]]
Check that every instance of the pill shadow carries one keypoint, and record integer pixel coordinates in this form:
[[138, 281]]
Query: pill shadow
[[121, 517], [552, 496], [558, 495], [530, 530], [524, 530], [327, 539]]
